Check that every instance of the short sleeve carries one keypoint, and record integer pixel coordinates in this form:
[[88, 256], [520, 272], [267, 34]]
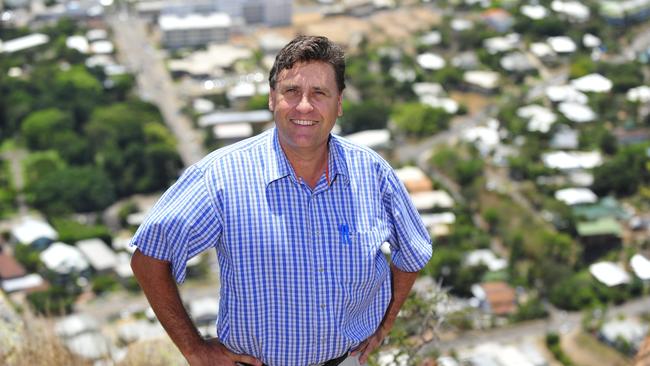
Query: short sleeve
[[182, 224], [411, 246]]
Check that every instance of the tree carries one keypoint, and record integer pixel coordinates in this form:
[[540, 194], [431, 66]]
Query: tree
[[365, 115], [72, 189], [624, 173], [38, 164], [418, 119], [132, 146], [39, 127], [77, 90]]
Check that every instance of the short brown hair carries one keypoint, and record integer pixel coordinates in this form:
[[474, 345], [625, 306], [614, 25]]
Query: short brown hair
[[306, 49]]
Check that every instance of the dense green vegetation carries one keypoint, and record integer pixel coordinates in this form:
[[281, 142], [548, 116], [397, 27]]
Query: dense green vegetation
[[91, 140]]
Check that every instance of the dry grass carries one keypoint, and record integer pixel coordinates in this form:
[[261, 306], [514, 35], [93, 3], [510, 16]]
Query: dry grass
[[160, 352], [33, 342], [37, 345]]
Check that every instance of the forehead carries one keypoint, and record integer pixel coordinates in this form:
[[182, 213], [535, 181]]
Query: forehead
[[313, 73]]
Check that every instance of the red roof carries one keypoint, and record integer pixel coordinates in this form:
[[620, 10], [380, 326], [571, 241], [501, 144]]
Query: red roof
[[9, 267], [500, 296]]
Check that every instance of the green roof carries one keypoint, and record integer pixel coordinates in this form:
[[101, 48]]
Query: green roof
[[606, 207], [603, 226]]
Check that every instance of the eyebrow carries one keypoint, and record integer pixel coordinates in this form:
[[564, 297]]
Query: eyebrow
[[295, 86]]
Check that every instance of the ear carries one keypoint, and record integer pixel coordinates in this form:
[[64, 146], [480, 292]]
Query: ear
[[340, 105], [271, 100]]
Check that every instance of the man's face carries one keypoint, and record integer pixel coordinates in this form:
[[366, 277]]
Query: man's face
[[305, 104]]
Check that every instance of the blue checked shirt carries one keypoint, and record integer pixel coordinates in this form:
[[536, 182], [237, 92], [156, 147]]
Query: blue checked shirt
[[303, 279]]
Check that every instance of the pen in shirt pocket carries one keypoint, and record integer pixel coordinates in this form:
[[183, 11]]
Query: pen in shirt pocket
[[344, 233]]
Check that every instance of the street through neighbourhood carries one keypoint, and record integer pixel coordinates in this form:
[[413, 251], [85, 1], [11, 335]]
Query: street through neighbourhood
[[154, 82]]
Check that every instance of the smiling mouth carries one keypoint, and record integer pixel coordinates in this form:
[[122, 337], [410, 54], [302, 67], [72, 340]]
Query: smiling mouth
[[304, 122]]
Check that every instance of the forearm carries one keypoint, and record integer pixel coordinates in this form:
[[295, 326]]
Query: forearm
[[158, 284], [401, 284]]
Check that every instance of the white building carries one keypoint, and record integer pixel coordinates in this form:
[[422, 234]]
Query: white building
[[482, 79], [98, 254], [269, 12], [641, 266], [426, 201], [576, 196], [374, 139], [564, 160], [539, 118], [593, 83], [610, 274], [23, 43], [194, 29], [63, 259], [30, 229]]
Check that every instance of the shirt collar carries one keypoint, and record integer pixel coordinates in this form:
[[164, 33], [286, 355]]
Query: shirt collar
[[279, 167]]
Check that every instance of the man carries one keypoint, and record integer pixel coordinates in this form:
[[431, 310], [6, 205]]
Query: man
[[297, 217]]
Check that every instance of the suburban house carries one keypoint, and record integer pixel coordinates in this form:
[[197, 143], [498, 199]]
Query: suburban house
[[497, 298], [610, 274], [100, 257], [33, 231], [599, 237], [14, 278]]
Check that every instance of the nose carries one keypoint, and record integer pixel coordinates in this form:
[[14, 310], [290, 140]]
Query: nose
[[304, 105]]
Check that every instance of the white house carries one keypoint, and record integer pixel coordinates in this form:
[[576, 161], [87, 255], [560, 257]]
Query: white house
[[574, 160], [539, 118], [64, 259], [561, 44], [565, 93], [565, 139], [631, 330], [594, 83], [577, 112], [30, 229], [641, 266], [639, 94], [79, 43], [374, 139], [576, 196], [502, 44], [425, 201], [574, 10], [98, 254], [535, 12], [484, 80], [430, 61], [232, 131], [227, 117], [487, 258], [609, 273], [24, 43]]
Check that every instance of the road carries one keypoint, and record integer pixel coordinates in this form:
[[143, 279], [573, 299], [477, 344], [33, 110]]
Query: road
[[137, 52]]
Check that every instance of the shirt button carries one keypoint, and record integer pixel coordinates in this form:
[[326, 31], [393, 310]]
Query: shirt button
[[321, 270], [322, 306]]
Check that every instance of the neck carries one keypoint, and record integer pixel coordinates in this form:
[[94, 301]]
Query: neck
[[310, 165]]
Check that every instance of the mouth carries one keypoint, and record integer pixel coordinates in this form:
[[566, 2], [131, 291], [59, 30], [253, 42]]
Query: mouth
[[304, 122]]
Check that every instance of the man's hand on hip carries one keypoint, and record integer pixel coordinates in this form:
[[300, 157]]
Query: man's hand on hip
[[212, 352], [372, 343]]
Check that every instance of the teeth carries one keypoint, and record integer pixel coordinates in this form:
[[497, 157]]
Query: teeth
[[304, 122]]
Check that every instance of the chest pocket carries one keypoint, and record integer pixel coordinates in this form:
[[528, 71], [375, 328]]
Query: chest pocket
[[360, 261]]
